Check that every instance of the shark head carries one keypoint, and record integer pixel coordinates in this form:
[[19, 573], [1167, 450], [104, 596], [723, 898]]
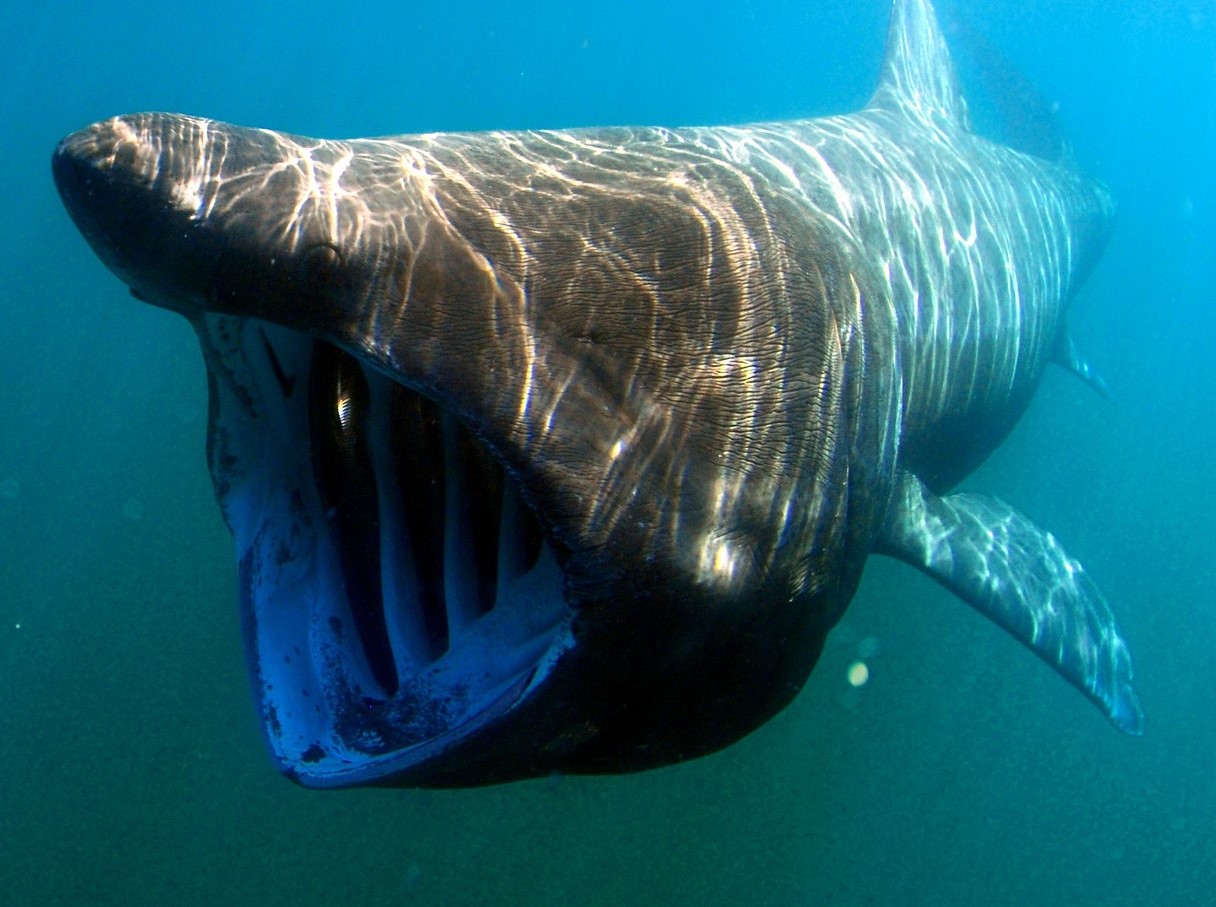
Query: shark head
[[509, 441]]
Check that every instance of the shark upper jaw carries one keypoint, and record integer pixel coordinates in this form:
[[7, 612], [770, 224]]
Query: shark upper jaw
[[634, 602], [397, 592]]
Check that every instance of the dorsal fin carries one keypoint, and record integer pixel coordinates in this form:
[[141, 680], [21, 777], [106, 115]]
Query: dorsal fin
[[917, 74]]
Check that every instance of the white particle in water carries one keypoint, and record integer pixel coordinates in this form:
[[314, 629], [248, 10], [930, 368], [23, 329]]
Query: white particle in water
[[858, 674]]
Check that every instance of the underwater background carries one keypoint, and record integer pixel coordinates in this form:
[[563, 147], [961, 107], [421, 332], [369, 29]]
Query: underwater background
[[132, 769]]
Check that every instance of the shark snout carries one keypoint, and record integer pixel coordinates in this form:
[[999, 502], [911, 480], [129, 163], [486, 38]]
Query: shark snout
[[99, 179], [124, 189]]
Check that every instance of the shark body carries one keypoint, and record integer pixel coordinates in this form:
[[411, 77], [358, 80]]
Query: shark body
[[564, 450]]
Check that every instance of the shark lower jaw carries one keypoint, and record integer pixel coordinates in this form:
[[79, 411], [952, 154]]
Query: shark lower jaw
[[398, 596]]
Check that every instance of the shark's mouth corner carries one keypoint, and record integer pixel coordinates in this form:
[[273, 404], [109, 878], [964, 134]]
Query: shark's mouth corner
[[397, 593]]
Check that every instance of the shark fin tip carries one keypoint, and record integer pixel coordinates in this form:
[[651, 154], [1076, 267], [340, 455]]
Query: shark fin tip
[[1125, 711], [917, 72]]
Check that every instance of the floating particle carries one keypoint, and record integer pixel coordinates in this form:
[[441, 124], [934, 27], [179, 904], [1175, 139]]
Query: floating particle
[[858, 674], [413, 877]]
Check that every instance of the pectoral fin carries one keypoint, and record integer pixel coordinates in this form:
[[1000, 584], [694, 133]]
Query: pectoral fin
[[1018, 575], [1069, 355]]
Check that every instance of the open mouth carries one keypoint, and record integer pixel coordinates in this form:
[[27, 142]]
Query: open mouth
[[397, 591]]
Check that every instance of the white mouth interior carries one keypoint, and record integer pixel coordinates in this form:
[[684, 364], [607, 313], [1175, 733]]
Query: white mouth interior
[[397, 592]]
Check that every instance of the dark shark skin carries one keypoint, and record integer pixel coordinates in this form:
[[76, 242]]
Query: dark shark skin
[[564, 451]]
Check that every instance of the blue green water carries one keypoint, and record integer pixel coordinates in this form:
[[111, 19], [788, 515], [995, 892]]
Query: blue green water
[[963, 772]]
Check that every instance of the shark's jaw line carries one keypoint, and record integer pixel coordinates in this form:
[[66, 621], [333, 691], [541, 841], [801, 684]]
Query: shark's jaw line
[[396, 592]]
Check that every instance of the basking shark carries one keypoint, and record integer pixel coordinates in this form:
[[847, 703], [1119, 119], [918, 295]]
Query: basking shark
[[564, 450]]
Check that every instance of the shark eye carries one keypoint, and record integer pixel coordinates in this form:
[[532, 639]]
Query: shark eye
[[321, 267]]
